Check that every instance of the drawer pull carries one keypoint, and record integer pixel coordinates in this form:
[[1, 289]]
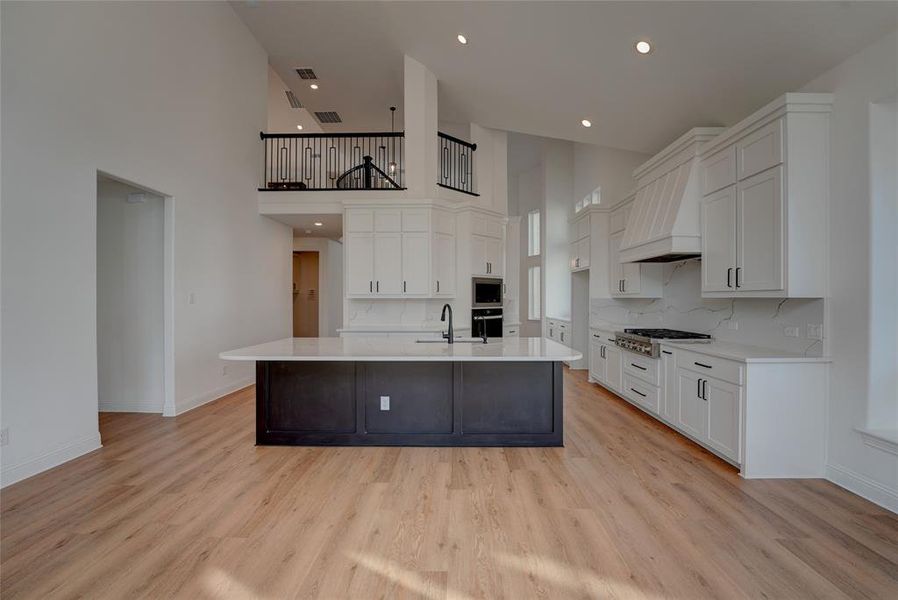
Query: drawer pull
[[638, 367], [698, 364], [666, 352], [638, 392]]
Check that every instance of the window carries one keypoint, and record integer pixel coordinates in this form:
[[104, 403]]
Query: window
[[534, 310], [533, 233], [594, 198]]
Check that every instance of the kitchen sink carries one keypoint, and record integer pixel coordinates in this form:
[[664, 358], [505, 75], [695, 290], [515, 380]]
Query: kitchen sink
[[457, 340]]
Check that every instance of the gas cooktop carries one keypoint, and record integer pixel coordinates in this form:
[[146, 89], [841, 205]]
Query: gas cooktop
[[646, 341]]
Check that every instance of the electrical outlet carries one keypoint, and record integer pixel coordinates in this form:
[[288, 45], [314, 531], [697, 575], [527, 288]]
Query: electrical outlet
[[733, 325], [4, 436], [385, 403], [815, 332], [790, 331], [191, 298]]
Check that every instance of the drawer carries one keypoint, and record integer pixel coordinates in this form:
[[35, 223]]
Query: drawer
[[641, 367], [641, 393], [760, 150], [602, 335], [719, 170], [712, 366]]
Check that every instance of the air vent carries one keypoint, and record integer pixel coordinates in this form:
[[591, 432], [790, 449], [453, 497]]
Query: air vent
[[293, 100], [328, 116], [306, 74]]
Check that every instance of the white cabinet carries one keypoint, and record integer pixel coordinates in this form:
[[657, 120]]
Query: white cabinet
[[605, 360], [443, 265], [765, 210], [724, 410], [579, 255], [596, 359], [631, 280], [399, 253], [613, 369], [487, 247], [692, 416], [511, 331], [670, 389], [388, 261], [415, 264], [719, 240]]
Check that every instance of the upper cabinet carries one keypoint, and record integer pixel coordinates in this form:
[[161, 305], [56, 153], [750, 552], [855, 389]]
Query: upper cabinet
[[629, 280], [399, 253], [764, 215], [487, 246], [580, 244]]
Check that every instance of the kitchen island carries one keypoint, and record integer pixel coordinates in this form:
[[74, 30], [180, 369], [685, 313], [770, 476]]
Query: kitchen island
[[379, 391]]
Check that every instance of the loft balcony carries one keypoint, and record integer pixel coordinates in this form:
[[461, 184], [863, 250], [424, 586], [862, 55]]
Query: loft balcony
[[314, 162]]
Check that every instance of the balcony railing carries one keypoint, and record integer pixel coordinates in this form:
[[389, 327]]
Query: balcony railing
[[333, 161], [456, 164]]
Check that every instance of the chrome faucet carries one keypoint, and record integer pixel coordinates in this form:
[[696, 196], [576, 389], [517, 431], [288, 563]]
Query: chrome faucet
[[450, 336]]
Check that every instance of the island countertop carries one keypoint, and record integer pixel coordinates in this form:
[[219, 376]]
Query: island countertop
[[386, 349]]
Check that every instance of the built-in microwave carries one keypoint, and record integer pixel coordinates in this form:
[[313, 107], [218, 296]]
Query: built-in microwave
[[486, 292]]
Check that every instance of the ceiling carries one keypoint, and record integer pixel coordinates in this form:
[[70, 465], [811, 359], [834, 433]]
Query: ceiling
[[541, 67], [304, 225]]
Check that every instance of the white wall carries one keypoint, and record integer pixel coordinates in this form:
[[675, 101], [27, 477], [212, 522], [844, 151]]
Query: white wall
[[558, 162], [608, 168], [170, 96], [868, 77], [330, 282], [130, 299]]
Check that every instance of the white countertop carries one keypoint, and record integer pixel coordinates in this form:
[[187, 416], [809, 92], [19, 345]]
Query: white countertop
[[400, 349], [745, 353]]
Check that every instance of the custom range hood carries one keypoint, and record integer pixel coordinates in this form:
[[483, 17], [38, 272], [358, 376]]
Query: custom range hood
[[664, 224]]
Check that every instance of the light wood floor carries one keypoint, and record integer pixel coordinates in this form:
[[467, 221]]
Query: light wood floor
[[188, 507]]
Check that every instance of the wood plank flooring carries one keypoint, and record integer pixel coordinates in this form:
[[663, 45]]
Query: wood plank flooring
[[189, 508]]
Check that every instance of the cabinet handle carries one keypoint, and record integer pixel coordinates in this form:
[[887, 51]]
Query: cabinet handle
[[705, 390], [602, 352], [666, 352], [403, 287], [438, 286], [562, 336], [378, 287], [698, 364], [698, 388], [738, 270], [638, 367], [370, 286], [597, 336], [638, 392], [623, 284], [729, 277]]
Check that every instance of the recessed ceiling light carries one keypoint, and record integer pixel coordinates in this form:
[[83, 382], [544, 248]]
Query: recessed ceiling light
[[314, 86], [299, 127], [318, 223], [462, 39], [586, 123], [643, 47]]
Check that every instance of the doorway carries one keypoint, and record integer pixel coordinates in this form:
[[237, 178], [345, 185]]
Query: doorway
[[305, 294], [132, 316]]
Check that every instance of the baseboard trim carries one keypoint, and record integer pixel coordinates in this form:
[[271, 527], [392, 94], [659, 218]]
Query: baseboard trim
[[136, 408], [188, 404], [863, 486], [48, 460]]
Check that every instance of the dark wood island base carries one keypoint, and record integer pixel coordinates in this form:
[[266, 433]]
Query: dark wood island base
[[409, 403]]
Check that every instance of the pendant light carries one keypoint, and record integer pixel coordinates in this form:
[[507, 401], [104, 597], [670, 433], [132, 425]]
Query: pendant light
[[392, 165]]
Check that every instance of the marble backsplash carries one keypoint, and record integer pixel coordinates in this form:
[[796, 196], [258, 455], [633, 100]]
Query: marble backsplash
[[413, 313], [760, 321]]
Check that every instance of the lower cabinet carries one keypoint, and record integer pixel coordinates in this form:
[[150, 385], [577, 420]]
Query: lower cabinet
[[692, 416], [605, 360], [670, 389], [724, 409]]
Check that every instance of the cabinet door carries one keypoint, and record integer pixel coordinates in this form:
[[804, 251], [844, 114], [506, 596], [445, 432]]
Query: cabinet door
[[693, 412], [583, 253], [670, 389], [478, 255], [724, 412], [631, 273], [494, 255], [443, 264], [613, 374], [596, 362], [760, 234], [415, 263], [360, 264], [719, 241], [615, 273], [388, 263]]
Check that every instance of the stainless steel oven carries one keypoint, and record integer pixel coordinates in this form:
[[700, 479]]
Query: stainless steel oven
[[486, 292]]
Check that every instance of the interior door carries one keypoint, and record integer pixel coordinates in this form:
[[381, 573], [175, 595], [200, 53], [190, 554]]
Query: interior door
[[613, 367], [724, 409], [360, 264], [415, 263], [693, 412], [388, 263], [760, 234], [305, 294], [719, 241]]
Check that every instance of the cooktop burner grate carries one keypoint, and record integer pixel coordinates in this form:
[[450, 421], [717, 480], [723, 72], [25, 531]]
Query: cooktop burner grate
[[668, 334]]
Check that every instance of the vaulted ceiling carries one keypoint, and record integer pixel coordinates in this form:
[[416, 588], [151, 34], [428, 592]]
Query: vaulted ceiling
[[541, 67]]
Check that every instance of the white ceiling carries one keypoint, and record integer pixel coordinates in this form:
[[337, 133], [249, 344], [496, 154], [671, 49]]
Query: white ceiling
[[304, 225], [541, 67]]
